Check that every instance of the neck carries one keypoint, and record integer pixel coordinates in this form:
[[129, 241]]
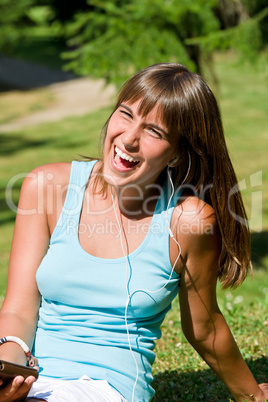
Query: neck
[[135, 204]]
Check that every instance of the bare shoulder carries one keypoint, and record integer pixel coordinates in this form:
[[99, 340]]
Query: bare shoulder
[[55, 173], [195, 224], [36, 181], [196, 228], [44, 190], [194, 216]]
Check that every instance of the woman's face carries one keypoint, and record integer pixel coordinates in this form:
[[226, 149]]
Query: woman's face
[[136, 148]]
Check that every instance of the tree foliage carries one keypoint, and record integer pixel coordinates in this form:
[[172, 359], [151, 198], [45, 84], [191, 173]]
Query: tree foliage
[[242, 31], [13, 20], [114, 38], [65, 10]]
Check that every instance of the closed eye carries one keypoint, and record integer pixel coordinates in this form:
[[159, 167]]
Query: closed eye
[[124, 112], [155, 132]]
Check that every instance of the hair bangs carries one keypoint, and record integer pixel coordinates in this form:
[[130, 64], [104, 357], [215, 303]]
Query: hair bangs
[[154, 92]]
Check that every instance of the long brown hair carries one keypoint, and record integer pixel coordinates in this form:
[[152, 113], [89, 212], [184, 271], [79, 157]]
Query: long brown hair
[[190, 113]]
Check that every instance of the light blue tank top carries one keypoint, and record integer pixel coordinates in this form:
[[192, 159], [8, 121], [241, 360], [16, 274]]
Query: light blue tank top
[[81, 326]]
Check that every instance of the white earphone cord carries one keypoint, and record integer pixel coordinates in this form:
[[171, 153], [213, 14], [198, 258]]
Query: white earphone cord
[[128, 297], [129, 268]]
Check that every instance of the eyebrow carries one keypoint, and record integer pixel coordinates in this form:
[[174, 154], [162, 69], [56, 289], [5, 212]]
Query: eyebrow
[[150, 124]]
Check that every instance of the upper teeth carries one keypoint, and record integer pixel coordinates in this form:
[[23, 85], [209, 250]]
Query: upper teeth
[[125, 156]]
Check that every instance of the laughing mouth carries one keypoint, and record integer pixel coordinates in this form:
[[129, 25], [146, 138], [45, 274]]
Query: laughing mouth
[[125, 160]]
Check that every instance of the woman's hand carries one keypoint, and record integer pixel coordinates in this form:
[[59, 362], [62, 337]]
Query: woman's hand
[[16, 390]]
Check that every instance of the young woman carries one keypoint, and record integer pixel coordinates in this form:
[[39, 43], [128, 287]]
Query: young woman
[[101, 248]]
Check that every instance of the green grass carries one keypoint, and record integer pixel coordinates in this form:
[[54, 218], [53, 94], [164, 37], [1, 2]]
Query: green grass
[[26, 102], [244, 103], [180, 375]]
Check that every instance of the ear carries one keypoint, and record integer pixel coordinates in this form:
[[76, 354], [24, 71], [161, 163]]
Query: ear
[[173, 162]]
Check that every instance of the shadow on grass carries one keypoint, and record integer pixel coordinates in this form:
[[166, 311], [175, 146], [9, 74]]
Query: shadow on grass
[[6, 214], [259, 249], [10, 144], [200, 385]]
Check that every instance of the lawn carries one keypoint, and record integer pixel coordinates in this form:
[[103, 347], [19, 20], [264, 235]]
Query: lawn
[[26, 102], [180, 375]]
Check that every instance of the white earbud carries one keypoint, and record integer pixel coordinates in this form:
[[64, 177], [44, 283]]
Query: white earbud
[[173, 161]]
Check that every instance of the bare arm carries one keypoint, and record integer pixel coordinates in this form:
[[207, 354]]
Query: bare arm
[[41, 200], [202, 322], [30, 241], [18, 315]]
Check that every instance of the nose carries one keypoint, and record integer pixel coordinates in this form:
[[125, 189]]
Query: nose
[[131, 138]]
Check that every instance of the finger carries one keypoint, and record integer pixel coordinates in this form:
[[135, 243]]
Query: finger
[[18, 387], [264, 385], [7, 392], [30, 380], [15, 384], [264, 388]]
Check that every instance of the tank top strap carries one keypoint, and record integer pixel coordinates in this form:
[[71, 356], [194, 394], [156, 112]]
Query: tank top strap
[[79, 175]]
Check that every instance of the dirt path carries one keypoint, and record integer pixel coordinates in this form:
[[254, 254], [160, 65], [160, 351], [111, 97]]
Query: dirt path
[[72, 98]]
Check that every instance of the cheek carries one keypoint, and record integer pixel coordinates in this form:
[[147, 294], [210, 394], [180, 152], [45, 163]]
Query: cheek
[[115, 126], [105, 143], [157, 151], [110, 135], [107, 147]]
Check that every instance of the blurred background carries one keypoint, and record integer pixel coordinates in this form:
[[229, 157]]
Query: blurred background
[[61, 64]]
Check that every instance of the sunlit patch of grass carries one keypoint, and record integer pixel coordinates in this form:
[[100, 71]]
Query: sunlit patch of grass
[[17, 104], [180, 373], [243, 100]]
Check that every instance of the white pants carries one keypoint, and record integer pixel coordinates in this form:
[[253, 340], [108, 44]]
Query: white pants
[[84, 389]]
